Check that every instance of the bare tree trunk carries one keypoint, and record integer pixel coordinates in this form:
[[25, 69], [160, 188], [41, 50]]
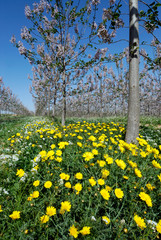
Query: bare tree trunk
[[49, 104], [54, 103], [132, 130], [64, 100], [101, 101]]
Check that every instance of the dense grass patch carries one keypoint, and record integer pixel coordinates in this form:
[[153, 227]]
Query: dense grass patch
[[80, 181]]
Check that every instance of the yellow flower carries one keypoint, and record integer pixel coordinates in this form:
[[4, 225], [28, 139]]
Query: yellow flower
[[63, 144], [143, 154], [43, 153], [106, 219], [78, 187], [101, 182], [105, 173], [79, 144], [35, 194], [95, 151], [92, 181], [15, 215], [20, 172], [132, 164], [59, 153], [79, 175], [36, 183], [125, 177], [58, 159], [108, 159], [158, 226], [150, 187], [29, 198], [138, 172], [50, 211], [52, 146], [156, 164], [73, 231], [105, 194], [101, 163], [108, 188], [140, 222], [159, 176], [119, 193], [1, 208], [44, 218], [50, 153], [92, 138], [85, 231], [121, 163], [145, 197], [64, 176], [47, 184], [88, 156], [68, 185], [65, 206]]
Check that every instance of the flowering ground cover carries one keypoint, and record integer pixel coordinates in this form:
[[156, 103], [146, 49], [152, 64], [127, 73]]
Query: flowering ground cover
[[79, 181]]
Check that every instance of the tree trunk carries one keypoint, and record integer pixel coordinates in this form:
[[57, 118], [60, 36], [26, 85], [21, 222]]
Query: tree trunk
[[64, 100], [54, 103], [49, 104], [132, 130]]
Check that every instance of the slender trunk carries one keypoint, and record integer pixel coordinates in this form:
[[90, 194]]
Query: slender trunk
[[132, 130], [49, 104], [101, 102], [64, 100], [54, 103]]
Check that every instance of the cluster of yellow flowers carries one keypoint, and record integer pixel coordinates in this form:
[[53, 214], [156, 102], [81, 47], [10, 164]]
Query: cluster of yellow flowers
[[73, 231], [106, 164]]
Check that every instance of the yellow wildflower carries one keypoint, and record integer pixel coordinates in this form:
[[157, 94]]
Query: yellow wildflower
[[15, 215], [36, 183], [47, 184], [20, 173], [44, 218], [1, 208], [101, 182], [105, 194], [121, 163], [85, 231], [106, 219], [88, 156], [65, 206], [50, 211], [145, 197], [35, 194], [73, 231], [79, 144], [159, 176], [105, 173], [158, 226], [64, 176], [78, 187], [92, 181], [78, 175], [138, 172], [119, 193], [58, 153], [150, 187], [156, 164], [140, 222], [67, 185]]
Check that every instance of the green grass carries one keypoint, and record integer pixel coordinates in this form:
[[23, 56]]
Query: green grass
[[36, 152]]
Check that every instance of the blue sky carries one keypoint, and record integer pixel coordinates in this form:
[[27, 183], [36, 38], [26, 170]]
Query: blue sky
[[13, 67]]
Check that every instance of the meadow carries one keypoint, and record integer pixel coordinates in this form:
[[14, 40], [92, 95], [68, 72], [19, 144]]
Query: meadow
[[80, 181]]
